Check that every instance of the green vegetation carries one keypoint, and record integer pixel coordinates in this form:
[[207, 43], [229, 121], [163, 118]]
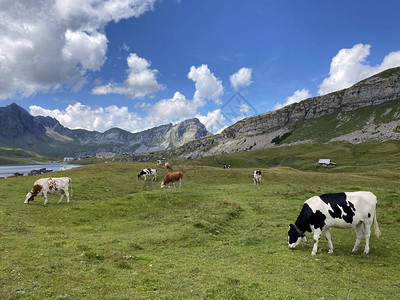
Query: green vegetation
[[218, 237], [9, 156], [324, 128], [279, 139]]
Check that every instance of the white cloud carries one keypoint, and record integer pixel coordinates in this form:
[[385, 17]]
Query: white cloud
[[241, 78], [349, 66], [207, 85], [178, 108], [298, 96], [244, 109], [47, 44], [92, 118], [140, 82], [213, 121]]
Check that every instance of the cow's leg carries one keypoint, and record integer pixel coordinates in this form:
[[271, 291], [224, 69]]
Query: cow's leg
[[328, 237], [317, 234], [67, 194], [144, 177], [359, 234], [367, 232], [45, 198], [180, 182], [62, 196]]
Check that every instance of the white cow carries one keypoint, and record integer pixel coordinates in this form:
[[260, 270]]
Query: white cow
[[45, 186], [341, 210]]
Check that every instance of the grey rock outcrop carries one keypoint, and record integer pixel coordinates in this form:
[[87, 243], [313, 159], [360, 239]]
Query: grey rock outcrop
[[257, 132]]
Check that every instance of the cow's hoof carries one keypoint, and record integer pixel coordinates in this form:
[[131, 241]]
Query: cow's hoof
[[330, 251]]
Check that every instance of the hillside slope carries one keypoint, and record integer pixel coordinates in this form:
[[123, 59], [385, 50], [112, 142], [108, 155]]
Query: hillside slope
[[369, 110]]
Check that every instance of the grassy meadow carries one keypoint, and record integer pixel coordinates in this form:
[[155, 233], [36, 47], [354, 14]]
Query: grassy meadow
[[218, 237]]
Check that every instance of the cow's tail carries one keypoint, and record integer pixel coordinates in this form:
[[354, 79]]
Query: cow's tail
[[70, 181], [376, 227]]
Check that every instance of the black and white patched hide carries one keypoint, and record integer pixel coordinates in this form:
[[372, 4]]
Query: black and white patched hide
[[342, 210], [257, 177], [148, 172]]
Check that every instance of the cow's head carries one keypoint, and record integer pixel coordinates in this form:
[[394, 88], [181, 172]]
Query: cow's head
[[29, 197], [162, 184], [37, 188], [295, 236], [140, 174]]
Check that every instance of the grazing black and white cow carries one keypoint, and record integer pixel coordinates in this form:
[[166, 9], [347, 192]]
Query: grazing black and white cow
[[341, 210], [148, 172], [43, 186], [257, 177]]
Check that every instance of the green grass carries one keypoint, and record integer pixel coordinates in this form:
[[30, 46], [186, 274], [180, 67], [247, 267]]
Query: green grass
[[10, 156], [218, 237]]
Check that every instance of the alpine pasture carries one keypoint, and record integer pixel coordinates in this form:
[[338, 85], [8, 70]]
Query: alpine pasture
[[217, 237]]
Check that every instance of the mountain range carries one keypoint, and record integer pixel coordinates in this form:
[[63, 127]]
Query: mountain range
[[47, 137], [369, 110]]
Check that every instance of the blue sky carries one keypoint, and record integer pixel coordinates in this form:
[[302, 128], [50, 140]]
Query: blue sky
[[142, 63]]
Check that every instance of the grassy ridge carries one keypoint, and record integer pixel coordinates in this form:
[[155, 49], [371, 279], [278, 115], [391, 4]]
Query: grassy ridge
[[218, 237], [18, 156]]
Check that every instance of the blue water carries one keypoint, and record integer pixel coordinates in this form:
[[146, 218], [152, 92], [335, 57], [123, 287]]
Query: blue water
[[9, 170]]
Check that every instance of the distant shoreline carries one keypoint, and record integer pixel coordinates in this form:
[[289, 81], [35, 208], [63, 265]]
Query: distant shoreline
[[10, 170]]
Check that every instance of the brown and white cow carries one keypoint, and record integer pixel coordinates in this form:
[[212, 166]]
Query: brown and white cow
[[172, 177], [169, 167], [45, 186]]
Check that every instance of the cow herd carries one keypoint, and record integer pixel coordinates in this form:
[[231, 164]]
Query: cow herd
[[319, 213]]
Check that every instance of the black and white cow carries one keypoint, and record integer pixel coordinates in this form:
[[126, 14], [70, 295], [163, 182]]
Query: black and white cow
[[341, 210], [148, 172], [257, 177]]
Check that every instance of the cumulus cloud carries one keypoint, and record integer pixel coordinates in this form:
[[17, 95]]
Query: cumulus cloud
[[178, 108], [241, 78], [79, 116], [213, 121], [349, 66], [165, 111], [207, 85], [140, 82], [298, 96], [47, 44]]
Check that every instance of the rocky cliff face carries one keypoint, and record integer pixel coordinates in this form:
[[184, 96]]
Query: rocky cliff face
[[19, 129], [372, 91], [257, 132]]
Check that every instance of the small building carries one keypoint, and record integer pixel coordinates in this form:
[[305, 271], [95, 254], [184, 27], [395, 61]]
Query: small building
[[325, 162], [68, 159]]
